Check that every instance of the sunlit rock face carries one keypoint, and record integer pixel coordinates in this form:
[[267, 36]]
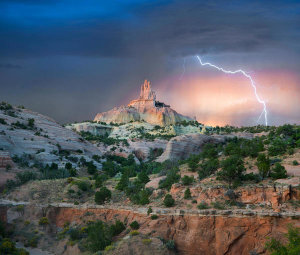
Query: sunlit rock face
[[145, 108]]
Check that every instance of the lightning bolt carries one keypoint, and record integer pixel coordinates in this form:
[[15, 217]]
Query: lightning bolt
[[240, 71]]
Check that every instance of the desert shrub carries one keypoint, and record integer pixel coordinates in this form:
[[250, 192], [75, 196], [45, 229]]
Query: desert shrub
[[143, 197], [209, 151], [9, 247], [68, 165], [91, 168], [25, 176], [4, 106], [98, 236], [202, 206], [43, 221], [218, 205], [251, 177], [187, 180], [208, 167], [2, 121], [83, 185], [109, 248], [110, 168], [143, 177], [292, 247], [134, 225], [277, 147], [47, 173], [170, 244], [187, 194], [117, 228], [232, 169], [100, 180], [72, 172], [149, 210], [134, 233], [232, 148], [172, 177], [193, 165], [295, 163], [124, 182], [103, 195], [169, 201], [154, 217], [147, 241], [278, 172], [75, 234], [263, 164], [30, 123]]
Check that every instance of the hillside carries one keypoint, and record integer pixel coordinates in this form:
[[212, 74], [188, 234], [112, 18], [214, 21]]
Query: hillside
[[140, 188]]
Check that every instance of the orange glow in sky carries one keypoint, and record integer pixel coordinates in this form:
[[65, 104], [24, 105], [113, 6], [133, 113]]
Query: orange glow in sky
[[220, 99]]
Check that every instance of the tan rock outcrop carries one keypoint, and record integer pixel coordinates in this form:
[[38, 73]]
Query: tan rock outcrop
[[180, 147], [146, 108]]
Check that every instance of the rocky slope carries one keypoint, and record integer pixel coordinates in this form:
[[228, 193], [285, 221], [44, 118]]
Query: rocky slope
[[24, 131], [146, 108]]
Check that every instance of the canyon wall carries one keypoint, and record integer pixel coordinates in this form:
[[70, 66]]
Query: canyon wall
[[193, 234]]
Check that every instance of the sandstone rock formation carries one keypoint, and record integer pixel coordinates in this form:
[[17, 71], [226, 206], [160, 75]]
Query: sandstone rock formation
[[146, 108], [193, 234], [93, 128], [43, 140], [180, 147]]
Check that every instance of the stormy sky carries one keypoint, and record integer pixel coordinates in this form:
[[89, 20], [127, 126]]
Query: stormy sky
[[71, 59]]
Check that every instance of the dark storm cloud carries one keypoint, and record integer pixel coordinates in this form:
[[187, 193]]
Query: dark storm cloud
[[10, 66], [168, 28], [88, 56]]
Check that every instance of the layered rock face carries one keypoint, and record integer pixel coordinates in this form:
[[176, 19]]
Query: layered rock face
[[193, 234], [146, 108], [180, 147]]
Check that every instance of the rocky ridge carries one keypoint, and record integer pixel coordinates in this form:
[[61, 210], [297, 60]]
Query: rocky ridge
[[24, 131], [146, 108]]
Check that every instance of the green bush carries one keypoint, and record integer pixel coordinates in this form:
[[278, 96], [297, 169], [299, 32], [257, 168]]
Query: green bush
[[83, 185], [218, 205], [143, 177], [187, 194], [2, 121], [124, 182], [98, 236], [187, 180], [208, 167], [154, 217], [134, 225], [170, 244], [103, 195], [232, 169], [278, 172], [117, 228], [91, 168], [263, 164], [277, 147], [169, 201], [43, 221], [172, 177], [149, 210], [295, 163], [290, 248], [202, 206]]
